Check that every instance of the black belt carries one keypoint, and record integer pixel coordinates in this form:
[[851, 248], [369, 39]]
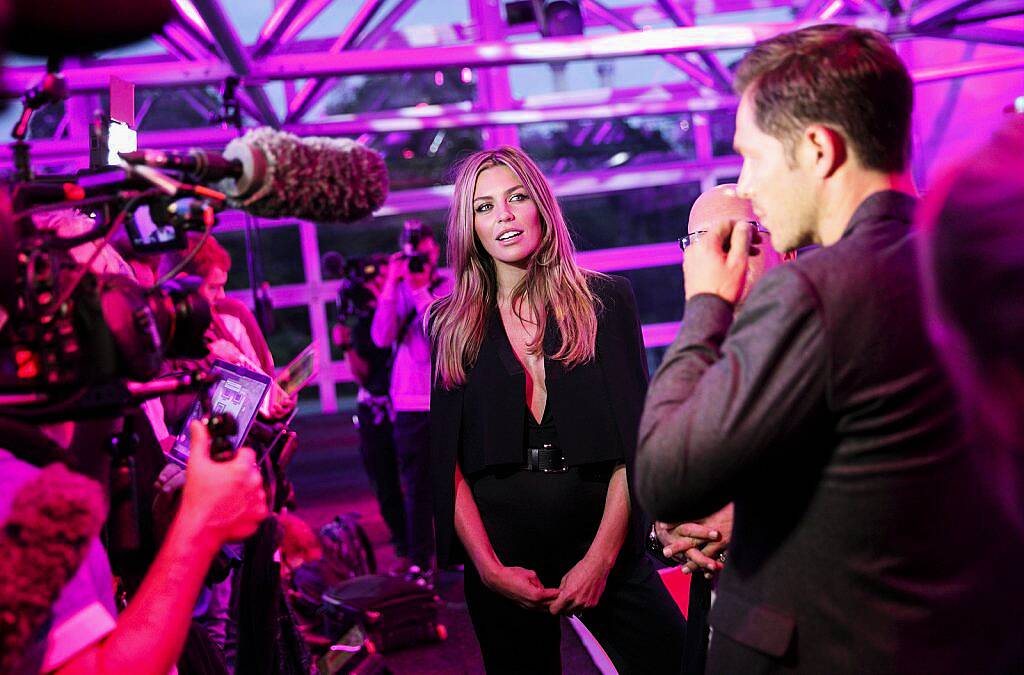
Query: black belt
[[546, 459]]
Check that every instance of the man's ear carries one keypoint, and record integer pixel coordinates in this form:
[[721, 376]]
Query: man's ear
[[824, 150]]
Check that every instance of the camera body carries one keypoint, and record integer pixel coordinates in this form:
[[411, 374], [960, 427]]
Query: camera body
[[355, 300], [71, 337], [413, 232]]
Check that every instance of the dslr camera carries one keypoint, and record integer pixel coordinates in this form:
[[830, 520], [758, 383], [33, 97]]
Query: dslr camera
[[355, 300], [413, 232]]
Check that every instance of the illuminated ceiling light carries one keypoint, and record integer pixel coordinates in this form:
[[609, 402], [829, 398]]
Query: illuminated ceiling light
[[618, 159], [439, 78], [467, 75]]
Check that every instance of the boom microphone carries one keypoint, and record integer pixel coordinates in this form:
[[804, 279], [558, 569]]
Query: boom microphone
[[274, 174]]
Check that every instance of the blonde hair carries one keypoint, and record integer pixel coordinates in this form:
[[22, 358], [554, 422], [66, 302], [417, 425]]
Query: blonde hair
[[553, 281]]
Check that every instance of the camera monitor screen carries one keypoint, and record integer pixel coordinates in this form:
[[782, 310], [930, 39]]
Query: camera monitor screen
[[300, 371], [239, 391], [148, 236]]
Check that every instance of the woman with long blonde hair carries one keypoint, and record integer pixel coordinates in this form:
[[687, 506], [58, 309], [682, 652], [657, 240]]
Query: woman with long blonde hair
[[539, 380]]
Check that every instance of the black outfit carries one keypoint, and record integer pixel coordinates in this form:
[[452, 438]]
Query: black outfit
[[823, 414], [376, 434], [547, 521], [412, 438]]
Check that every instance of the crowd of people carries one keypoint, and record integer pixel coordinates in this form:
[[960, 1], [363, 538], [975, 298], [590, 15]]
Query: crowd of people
[[830, 447]]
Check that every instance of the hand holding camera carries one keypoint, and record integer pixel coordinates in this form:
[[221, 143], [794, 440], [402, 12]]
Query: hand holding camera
[[221, 501]]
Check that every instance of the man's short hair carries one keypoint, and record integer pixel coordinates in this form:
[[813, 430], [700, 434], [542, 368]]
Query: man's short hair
[[850, 79], [210, 255]]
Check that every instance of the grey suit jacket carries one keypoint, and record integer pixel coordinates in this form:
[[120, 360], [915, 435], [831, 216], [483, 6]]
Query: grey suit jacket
[[869, 537]]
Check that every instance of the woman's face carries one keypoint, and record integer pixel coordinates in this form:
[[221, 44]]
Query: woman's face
[[505, 218]]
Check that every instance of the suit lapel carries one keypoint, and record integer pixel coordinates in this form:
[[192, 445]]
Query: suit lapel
[[498, 340]]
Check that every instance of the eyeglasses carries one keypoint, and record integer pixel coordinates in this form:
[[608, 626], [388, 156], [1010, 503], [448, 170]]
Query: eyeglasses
[[694, 237]]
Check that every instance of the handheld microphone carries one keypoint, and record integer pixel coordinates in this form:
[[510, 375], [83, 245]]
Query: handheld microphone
[[275, 174]]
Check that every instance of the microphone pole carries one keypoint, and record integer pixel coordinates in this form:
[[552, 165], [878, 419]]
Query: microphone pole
[[263, 308]]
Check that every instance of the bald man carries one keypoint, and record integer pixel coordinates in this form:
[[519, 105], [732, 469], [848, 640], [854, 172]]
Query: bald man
[[701, 545], [720, 204]]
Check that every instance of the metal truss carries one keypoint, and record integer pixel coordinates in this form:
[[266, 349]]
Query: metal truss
[[201, 48]]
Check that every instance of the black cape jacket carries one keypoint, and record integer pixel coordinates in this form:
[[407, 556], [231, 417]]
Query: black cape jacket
[[596, 407]]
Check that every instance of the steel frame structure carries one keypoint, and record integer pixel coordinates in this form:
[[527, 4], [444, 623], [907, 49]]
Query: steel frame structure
[[202, 47]]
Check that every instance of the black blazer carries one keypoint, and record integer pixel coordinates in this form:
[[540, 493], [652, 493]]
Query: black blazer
[[596, 406], [824, 414]]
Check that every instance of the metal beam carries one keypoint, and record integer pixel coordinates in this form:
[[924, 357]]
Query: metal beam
[[985, 34], [371, 40], [938, 12], [500, 53], [445, 117], [154, 73], [306, 97], [494, 88], [971, 68], [681, 17], [287, 19], [595, 104], [997, 9], [234, 51], [692, 72]]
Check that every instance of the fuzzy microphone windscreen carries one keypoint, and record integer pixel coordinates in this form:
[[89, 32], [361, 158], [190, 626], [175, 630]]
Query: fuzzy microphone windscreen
[[314, 178], [42, 544]]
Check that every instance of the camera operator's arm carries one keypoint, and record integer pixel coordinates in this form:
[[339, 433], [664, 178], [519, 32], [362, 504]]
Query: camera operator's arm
[[391, 310], [360, 367], [221, 502]]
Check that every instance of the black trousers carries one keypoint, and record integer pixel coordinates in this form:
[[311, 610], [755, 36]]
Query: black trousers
[[377, 448], [546, 522], [412, 443]]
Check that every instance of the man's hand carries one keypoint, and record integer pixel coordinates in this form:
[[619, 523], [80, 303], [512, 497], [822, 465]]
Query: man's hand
[[398, 270], [708, 268], [280, 402], [581, 588], [224, 501], [418, 280], [697, 545], [522, 586]]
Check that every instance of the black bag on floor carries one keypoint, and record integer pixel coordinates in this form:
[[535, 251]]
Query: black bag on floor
[[347, 553], [394, 612]]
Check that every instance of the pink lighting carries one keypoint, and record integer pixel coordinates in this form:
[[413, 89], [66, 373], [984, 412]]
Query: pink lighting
[[467, 75], [189, 13], [833, 8], [439, 78]]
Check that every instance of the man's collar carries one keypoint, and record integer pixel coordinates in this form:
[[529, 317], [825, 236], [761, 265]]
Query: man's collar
[[884, 205]]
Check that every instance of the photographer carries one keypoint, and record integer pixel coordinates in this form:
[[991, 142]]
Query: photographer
[[411, 285], [371, 368], [81, 634]]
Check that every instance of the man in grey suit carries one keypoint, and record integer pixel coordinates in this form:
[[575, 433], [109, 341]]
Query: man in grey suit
[[866, 538]]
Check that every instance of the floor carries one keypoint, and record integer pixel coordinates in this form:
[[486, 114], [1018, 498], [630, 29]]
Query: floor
[[329, 479]]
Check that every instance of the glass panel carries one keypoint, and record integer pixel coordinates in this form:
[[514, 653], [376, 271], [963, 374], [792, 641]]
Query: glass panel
[[723, 126], [346, 392], [643, 216], [282, 256], [178, 108], [424, 158], [659, 292], [375, 235], [291, 333], [371, 93], [589, 145]]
